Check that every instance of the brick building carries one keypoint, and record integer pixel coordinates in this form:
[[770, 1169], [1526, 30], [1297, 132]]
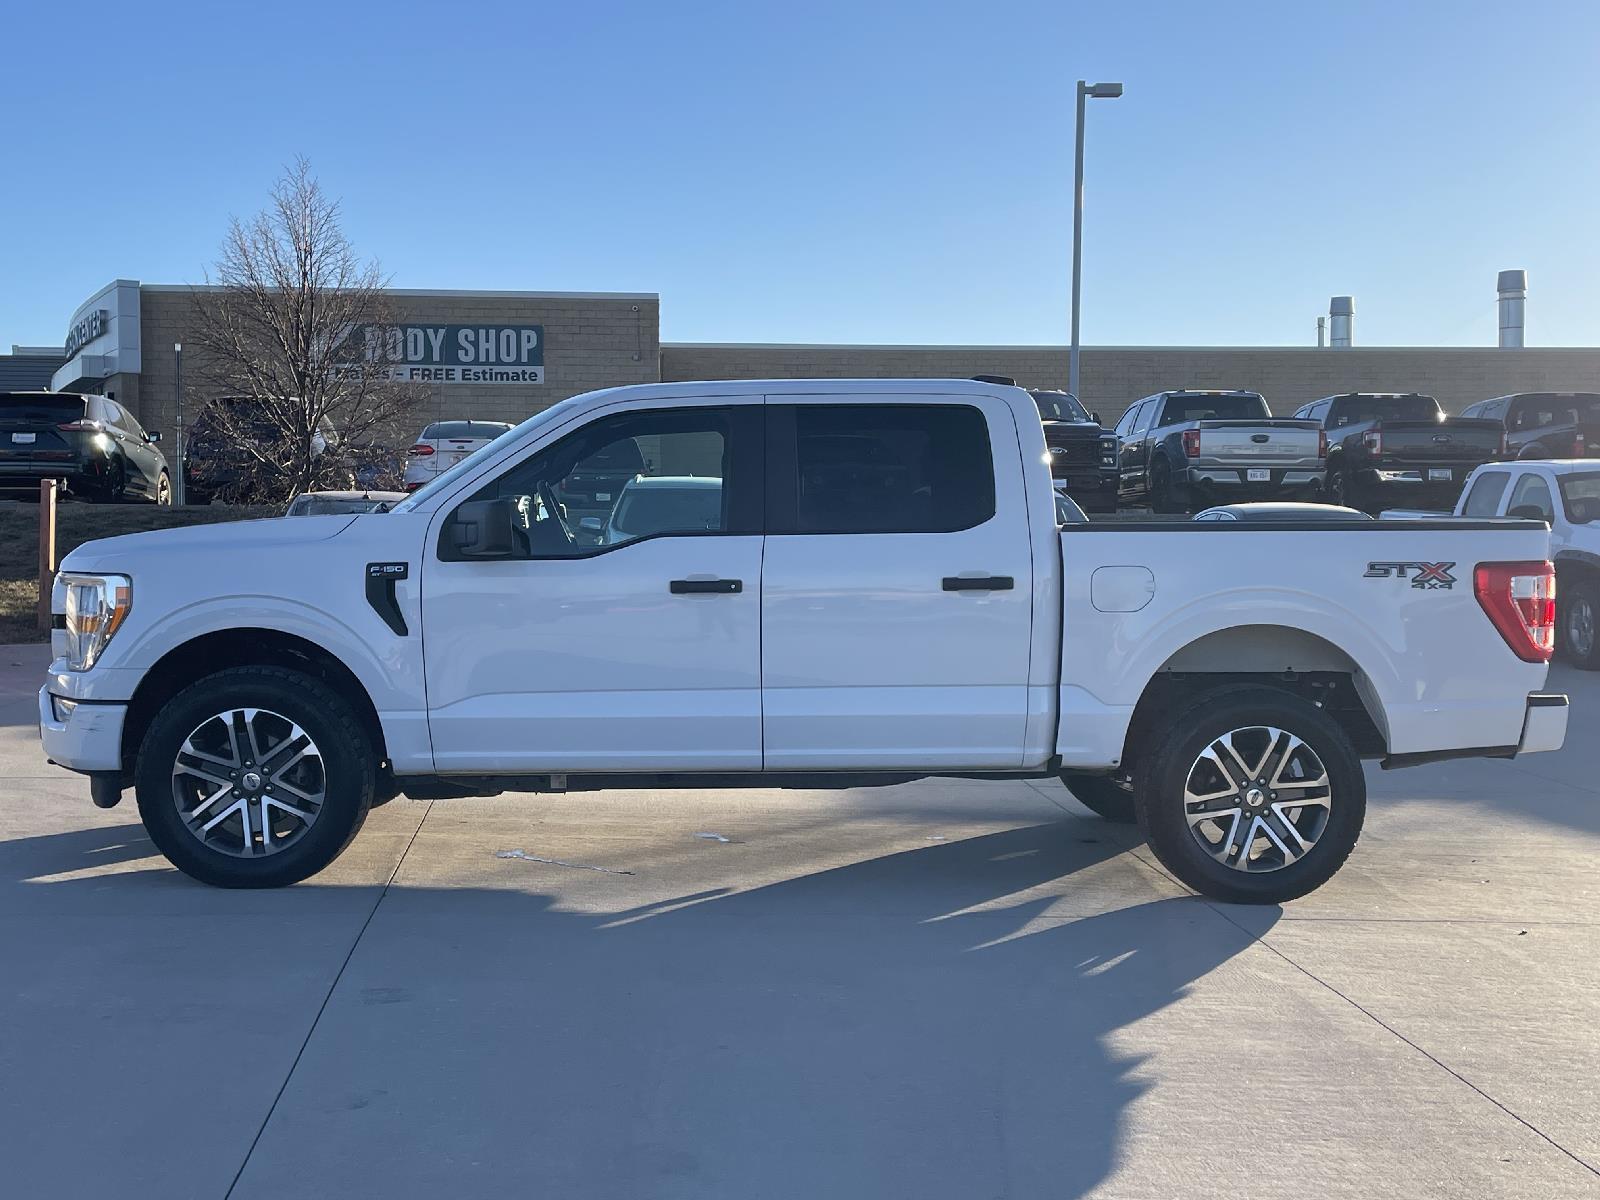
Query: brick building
[[506, 355]]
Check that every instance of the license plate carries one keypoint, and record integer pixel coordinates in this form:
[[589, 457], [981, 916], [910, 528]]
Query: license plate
[[602, 495], [1258, 475], [24, 439], [1438, 475], [458, 456]]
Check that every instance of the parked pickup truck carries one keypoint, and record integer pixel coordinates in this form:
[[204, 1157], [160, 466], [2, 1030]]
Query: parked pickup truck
[[1564, 494], [1189, 449], [882, 594], [1385, 448]]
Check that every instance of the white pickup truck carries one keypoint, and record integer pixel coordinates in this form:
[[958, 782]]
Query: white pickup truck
[[880, 592]]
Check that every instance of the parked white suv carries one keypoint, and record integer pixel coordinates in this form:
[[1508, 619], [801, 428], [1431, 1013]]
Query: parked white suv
[[882, 593], [443, 444], [1565, 494]]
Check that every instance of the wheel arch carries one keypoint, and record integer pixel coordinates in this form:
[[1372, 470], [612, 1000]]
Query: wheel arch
[[221, 649], [1281, 657]]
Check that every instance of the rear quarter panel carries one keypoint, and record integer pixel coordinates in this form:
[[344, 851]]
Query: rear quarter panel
[[1432, 668]]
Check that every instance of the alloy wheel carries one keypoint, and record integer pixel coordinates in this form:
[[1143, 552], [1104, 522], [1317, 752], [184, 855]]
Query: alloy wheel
[[1257, 799], [1580, 627], [248, 782]]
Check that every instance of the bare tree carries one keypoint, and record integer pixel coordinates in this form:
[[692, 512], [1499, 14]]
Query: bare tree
[[282, 327]]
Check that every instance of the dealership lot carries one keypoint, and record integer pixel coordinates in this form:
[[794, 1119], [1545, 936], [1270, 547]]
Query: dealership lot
[[940, 989]]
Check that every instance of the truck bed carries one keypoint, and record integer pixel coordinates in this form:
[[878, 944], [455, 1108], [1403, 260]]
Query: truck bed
[[1368, 598]]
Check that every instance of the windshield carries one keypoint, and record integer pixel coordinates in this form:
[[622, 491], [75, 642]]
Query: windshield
[[1388, 408], [1206, 408], [1059, 406], [647, 510]]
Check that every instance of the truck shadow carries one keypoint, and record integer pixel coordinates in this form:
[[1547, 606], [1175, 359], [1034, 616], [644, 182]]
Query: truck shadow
[[939, 1022]]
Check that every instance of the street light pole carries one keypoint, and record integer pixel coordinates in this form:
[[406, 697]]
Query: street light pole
[[1100, 91], [177, 432]]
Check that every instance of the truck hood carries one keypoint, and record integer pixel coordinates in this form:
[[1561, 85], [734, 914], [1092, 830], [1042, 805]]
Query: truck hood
[[196, 542]]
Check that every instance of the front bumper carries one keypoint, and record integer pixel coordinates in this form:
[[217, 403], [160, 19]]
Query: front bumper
[[1092, 490], [81, 735]]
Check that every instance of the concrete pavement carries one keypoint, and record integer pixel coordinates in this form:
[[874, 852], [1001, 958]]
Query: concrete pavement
[[935, 990]]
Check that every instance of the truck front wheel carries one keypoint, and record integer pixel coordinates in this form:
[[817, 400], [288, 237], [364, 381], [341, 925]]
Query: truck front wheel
[[1252, 796], [255, 777], [1107, 796]]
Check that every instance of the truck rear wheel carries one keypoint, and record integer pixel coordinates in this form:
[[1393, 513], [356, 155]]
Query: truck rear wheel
[[1253, 796], [1107, 796], [255, 777], [1578, 622]]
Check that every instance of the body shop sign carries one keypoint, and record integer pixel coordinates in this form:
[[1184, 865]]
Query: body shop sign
[[457, 353]]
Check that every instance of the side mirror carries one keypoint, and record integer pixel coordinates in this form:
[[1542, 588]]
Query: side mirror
[[1097, 419], [152, 436], [1528, 512], [491, 528]]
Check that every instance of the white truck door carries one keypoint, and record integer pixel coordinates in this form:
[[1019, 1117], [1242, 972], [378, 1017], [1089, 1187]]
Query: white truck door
[[897, 583], [625, 635]]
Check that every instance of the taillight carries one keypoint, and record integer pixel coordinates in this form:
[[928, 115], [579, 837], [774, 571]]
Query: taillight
[[1505, 444], [1322, 443], [1373, 441], [1520, 598], [1578, 447], [80, 426], [1191, 443], [420, 450]]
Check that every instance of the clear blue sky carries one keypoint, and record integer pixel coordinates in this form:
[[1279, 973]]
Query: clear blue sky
[[850, 172]]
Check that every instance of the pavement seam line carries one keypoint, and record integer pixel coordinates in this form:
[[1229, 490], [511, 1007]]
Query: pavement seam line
[[1261, 940], [323, 1007]]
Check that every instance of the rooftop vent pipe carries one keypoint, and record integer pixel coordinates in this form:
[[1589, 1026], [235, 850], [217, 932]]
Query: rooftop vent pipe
[[1513, 287], [1341, 322]]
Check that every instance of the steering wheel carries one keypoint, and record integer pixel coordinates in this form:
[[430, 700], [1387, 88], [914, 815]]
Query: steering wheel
[[547, 497]]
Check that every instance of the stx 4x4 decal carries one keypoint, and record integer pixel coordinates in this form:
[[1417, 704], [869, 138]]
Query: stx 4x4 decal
[[1428, 576]]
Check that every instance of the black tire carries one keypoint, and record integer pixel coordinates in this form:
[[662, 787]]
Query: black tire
[[1578, 622], [1161, 500], [116, 485], [1338, 488], [1107, 796], [1161, 785], [347, 755]]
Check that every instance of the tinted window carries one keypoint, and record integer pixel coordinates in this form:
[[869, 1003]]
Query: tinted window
[[1386, 408], [1125, 426], [1580, 495], [43, 409], [1485, 495], [891, 468], [464, 429], [576, 484], [1206, 408], [1532, 492]]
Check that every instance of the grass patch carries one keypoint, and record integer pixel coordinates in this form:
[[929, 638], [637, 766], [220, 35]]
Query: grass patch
[[77, 523]]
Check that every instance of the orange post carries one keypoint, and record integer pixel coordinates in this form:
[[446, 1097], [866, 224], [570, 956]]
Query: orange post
[[47, 548]]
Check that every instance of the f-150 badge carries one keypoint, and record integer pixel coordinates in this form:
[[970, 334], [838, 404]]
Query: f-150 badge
[[1426, 576]]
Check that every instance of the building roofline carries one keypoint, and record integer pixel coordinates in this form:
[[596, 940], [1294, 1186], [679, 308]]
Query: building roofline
[[968, 348], [470, 292]]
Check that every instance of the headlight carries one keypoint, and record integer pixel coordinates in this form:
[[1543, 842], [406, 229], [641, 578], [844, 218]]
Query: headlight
[[96, 607]]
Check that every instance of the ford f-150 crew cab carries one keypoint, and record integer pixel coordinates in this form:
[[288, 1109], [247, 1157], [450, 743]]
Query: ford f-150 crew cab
[[1181, 450], [881, 593]]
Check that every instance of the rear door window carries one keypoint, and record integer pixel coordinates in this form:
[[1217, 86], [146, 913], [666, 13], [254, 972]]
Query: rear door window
[[1484, 498], [884, 468], [1532, 492]]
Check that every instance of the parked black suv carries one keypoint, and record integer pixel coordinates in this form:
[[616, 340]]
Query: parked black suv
[[1545, 424], [1399, 450], [91, 443]]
